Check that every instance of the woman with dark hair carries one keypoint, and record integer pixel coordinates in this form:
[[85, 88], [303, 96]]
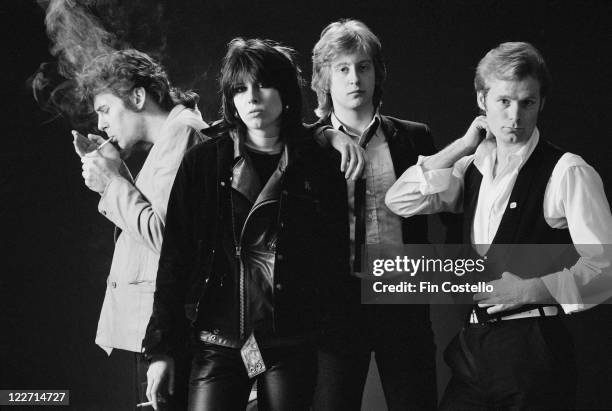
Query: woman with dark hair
[[256, 231]]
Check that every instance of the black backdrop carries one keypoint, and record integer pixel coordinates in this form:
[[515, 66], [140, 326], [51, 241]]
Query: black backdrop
[[57, 249]]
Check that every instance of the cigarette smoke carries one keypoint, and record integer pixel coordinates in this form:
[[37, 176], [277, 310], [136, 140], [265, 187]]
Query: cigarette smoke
[[80, 30]]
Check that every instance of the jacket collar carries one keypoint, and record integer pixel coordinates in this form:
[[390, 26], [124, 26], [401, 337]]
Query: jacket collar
[[245, 179], [388, 129]]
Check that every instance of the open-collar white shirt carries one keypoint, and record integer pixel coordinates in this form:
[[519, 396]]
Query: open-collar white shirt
[[574, 199]]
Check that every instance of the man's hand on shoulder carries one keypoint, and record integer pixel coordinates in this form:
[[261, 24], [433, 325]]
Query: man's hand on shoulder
[[352, 155], [463, 146], [478, 130]]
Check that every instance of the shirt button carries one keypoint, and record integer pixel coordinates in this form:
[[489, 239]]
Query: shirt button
[[114, 284], [222, 183], [279, 287]]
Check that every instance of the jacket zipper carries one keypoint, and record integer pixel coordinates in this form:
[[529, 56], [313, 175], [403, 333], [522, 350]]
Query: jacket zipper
[[238, 249], [242, 290]]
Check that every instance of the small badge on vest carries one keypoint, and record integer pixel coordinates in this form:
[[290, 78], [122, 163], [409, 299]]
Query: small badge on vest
[[513, 204]]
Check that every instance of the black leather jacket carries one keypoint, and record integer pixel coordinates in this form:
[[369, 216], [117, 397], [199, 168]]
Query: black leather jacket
[[287, 248]]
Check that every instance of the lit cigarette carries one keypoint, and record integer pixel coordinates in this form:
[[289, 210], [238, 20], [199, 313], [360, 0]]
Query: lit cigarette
[[142, 404], [103, 144]]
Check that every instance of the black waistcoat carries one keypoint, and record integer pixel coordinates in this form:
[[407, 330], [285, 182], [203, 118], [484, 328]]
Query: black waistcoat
[[523, 222]]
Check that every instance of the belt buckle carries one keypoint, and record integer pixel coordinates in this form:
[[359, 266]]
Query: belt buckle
[[475, 321]]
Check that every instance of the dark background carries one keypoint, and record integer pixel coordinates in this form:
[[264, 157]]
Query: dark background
[[57, 249]]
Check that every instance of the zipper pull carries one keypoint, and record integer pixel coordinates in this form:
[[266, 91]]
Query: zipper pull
[[238, 251]]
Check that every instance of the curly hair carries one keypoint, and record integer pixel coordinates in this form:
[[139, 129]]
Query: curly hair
[[119, 72], [263, 61], [344, 36]]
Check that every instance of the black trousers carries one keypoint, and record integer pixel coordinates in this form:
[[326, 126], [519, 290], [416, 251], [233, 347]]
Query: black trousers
[[520, 364], [402, 340], [219, 380]]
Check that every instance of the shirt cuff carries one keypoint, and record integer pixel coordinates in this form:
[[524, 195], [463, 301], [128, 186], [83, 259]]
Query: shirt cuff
[[432, 181], [562, 287], [103, 204]]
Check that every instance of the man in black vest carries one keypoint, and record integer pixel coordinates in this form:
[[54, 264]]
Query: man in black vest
[[515, 188], [348, 73]]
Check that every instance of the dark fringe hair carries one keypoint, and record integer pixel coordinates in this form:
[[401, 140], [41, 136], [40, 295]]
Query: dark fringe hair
[[270, 63]]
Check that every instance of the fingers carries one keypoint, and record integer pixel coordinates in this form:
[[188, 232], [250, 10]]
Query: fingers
[[81, 144], [353, 160], [351, 164], [91, 172], [149, 387], [86, 170], [96, 138], [486, 299], [483, 305], [480, 296], [92, 154], [498, 308], [153, 394], [344, 158], [360, 155], [88, 178], [481, 123]]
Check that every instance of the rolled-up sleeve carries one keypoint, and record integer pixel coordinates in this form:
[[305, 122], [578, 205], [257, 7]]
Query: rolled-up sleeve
[[426, 192], [575, 199]]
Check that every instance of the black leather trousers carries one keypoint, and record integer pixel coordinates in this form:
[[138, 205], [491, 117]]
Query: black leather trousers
[[219, 380]]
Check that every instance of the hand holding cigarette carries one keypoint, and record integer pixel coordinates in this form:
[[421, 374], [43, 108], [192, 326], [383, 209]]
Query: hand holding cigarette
[[160, 378], [92, 143]]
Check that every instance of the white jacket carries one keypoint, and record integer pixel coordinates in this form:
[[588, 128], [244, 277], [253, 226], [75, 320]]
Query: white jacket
[[139, 210]]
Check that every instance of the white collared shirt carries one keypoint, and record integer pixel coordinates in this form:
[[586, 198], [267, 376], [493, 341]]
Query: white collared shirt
[[495, 188], [574, 199], [382, 225]]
